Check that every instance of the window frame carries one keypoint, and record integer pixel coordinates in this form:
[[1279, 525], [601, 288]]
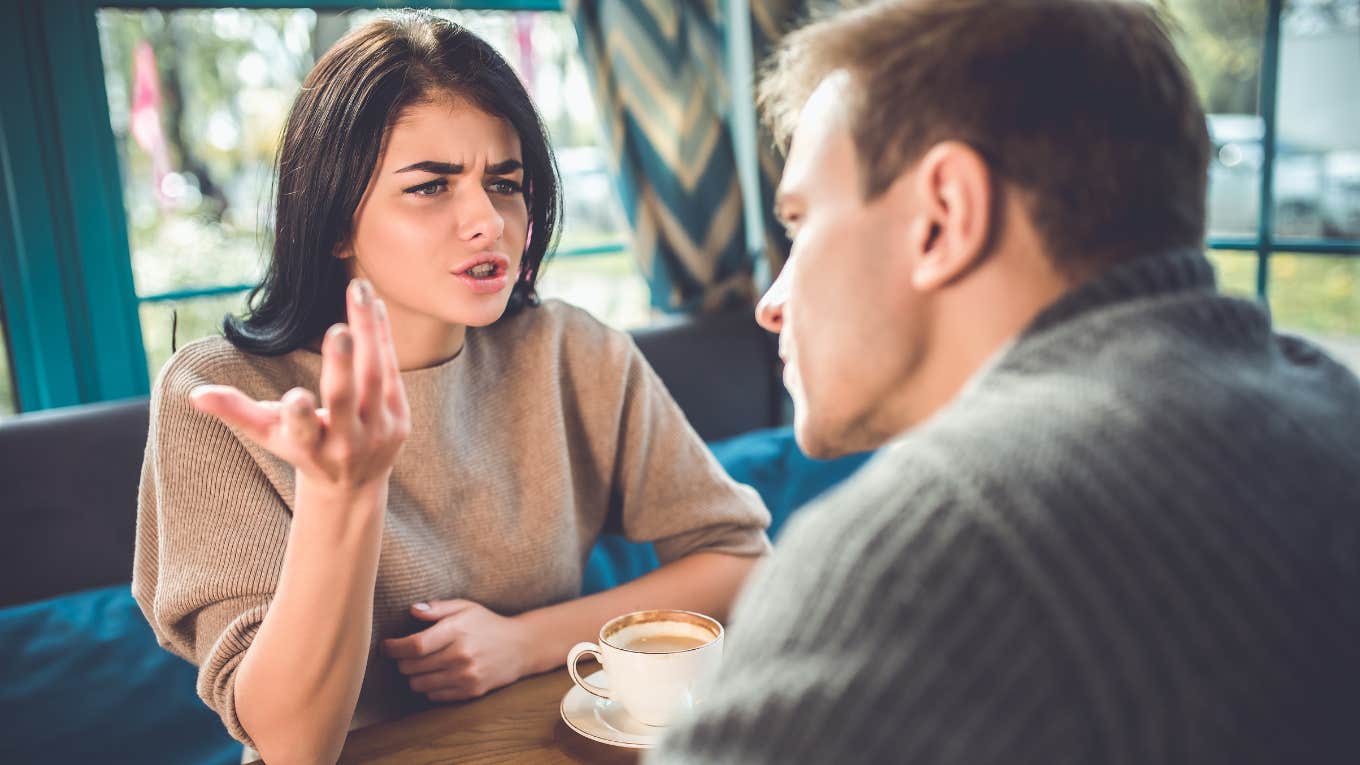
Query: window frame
[[1264, 244]]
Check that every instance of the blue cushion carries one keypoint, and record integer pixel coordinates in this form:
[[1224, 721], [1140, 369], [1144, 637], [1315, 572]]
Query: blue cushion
[[771, 462], [83, 680], [767, 460]]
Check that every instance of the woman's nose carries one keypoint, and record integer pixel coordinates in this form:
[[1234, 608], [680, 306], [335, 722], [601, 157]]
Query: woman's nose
[[479, 218]]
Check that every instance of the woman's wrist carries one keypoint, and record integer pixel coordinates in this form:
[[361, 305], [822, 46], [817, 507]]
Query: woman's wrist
[[347, 509], [372, 492], [541, 653]]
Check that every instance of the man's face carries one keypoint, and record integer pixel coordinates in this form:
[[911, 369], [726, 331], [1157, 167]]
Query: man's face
[[850, 327]]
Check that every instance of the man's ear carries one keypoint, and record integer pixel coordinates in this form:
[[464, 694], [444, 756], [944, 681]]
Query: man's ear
[[951, 191]]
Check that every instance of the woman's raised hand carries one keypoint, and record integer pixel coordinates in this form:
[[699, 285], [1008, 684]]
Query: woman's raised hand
[[352, 442]]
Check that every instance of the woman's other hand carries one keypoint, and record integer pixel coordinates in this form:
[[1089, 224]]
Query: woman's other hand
[[467, 651], [352, 442]]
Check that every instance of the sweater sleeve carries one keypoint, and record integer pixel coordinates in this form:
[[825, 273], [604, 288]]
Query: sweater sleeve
[[881, 632], [668, 487], [211, 533]]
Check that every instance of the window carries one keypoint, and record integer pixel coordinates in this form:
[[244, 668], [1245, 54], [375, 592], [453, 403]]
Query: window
[[198, 98], [1317, 171], [1277, 80], [1221, 44]]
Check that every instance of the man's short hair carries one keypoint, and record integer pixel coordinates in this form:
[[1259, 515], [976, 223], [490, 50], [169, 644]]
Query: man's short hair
[[1083, 105]]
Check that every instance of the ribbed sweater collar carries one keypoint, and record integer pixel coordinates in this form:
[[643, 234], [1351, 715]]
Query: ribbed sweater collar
[[1146, 276]]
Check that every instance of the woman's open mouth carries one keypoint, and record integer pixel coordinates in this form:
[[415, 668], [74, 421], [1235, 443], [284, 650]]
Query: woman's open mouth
[[487, 275]]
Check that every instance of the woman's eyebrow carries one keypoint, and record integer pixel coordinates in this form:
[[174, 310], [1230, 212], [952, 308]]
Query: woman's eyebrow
[[429, 166], [504, 167]]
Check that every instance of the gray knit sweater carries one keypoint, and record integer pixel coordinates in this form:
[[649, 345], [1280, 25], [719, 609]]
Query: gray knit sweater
[[1134, 538]]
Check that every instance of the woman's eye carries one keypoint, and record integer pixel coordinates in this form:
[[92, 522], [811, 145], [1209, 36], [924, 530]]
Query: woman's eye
[[429, 189], [506, 187]]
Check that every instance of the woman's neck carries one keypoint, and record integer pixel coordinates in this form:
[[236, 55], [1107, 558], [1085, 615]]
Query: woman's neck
[[423, 341]]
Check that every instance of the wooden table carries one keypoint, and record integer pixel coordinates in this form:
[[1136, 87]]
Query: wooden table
[[518, 723]]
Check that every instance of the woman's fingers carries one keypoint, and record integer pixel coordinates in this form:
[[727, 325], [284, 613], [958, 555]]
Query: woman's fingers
[[301, 427], [255, 419], [448, 657], [368, 361], [427, 642], [394, 392], [337, 378], [441, 681], [351, 439]]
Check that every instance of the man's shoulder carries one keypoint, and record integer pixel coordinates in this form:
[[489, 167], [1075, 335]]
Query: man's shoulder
[[905, 479]]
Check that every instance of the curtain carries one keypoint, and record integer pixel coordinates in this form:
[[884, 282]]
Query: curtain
[[657, 70], [658, 73]]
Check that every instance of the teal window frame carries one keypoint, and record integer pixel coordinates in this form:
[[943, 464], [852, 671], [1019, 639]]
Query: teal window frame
[[64, 270], [1265, 244]]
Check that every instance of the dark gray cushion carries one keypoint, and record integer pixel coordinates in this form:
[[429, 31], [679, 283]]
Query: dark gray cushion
[[70, 486], [721, 369]]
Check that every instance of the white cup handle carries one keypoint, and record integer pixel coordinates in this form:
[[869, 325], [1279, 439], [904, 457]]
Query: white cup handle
[[574, 656]]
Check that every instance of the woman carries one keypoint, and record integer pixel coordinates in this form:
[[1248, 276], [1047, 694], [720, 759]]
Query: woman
[[340, 522]]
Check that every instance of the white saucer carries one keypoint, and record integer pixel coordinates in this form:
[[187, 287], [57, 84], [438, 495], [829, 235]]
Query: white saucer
[[603, 720]]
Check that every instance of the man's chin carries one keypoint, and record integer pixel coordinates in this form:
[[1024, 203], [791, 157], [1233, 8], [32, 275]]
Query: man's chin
[[816, 440], [825, 438]]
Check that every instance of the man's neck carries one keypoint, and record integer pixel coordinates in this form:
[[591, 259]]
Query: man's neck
[[974, 320]]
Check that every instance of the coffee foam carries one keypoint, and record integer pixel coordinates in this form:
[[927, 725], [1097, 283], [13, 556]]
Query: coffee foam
[[626, 635]]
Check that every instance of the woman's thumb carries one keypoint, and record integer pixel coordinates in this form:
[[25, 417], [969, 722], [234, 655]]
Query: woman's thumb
[[432, 610]]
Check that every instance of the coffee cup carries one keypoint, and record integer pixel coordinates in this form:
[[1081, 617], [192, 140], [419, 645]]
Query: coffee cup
[[655, 662]]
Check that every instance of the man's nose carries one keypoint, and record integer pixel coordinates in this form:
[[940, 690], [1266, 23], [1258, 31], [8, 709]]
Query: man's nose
[[770, 310]]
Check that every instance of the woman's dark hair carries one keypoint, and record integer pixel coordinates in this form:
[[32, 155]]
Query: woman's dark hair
[[330, 148]]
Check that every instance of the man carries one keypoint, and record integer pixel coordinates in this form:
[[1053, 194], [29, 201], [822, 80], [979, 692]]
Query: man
[[1117, 519]]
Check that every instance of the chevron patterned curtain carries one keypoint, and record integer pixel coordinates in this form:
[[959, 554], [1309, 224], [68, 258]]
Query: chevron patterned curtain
[[658, 76]]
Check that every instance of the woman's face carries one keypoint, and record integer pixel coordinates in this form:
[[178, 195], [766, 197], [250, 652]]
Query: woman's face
[[441, 229]]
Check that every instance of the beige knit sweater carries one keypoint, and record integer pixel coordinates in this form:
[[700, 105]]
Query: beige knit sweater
[[546, 430]]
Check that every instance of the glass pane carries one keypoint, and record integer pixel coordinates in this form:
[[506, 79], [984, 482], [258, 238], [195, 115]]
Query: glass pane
[[607, 284], [186, 320], [197, 100], [8, 405], [1317, 169], [1319, 297], [1221, 41], [1236, 272]]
